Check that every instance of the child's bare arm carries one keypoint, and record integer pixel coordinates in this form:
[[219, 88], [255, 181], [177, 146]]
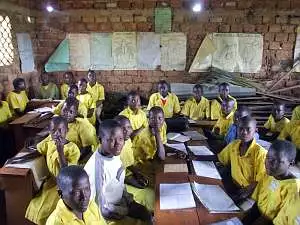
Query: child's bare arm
[[159, 145]]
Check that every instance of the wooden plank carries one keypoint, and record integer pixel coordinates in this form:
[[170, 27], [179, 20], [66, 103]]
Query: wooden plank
[[285, 89], [25, 118], [289, 99]]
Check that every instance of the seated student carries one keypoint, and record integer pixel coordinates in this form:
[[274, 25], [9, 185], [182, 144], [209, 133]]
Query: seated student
[[245, 159], [59, 153], [277, 186], [296, 113], [80, 130], [107, 175], [48, 90], [86, 99], [216, 109], [68, 80], [276, 122], [136, 182], [197, 107], [17, 99], [97, 92], [5, 113], [72, 93], [74, 207], [134, 113]]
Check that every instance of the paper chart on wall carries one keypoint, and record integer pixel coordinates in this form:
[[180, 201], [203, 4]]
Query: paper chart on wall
[[79, 45], [148, 50], [297, 50], [173, 51], [25, 52], [124, 50], [101, 53]]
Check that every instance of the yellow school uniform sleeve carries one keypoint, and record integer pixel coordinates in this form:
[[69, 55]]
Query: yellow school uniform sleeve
[[152, 101], [42, 147], [163, 134], [296, 113], [225, 155], [101, 93], [259, 167], [290, 213], [5, 113], [285, 133], [17, 101], [64, 88], [176, 108], [58, 108], [186, 108], [87, 133], [215, 110], [126, 155], [207, 108], [270, 123]]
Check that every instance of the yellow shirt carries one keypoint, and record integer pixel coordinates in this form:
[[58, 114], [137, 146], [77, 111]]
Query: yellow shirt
[[87, 100], [170, 107], [82, 110], [5, 113], [63, 216], [137, 120], [17, 101], [144, 144], [196, 111], [245, 169], [296, 113], [97, 92], [64, 88], [216, 110], [292, 130], [48, 148], [290, 213], [82, 133], [274, 126], [126, 155], [271, 194], [49, 91], [223, 123]]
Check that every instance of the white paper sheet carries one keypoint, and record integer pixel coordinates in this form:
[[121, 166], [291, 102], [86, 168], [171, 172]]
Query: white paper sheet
[[194, 135], [200, 150], [43, 110], [206, 169], [180, 147], [177, 137], [25, 52], [178, 168], [214, 198], [264, 143], [176, 196]]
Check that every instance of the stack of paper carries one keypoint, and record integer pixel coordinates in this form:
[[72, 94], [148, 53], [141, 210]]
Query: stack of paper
[[179, 147], [214, 198], [200, 150], [43, 110], [176, 196], [176, 168], [195, 135], [206, 169], [177, 137], [233, 221]]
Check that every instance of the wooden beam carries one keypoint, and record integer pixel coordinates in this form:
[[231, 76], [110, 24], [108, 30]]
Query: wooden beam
[[285, 89]]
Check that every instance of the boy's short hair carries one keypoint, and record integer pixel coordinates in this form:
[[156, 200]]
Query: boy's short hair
[[92, 72], [132, 93], [287, 147], [107, 126], [279, 104], [83, 80], [156, 110], [163, 82], [17, 82], [73, 86], [68, 175], [69, 73], [121, 119], [243, 108], [71, 101], [59, 120], [248, 119], [197, 86], [224, 84]]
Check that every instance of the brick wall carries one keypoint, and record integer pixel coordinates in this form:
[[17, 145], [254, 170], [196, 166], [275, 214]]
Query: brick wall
[[277, 20]]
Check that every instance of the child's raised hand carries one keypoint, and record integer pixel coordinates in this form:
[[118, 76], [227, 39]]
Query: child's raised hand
[[181, 155]]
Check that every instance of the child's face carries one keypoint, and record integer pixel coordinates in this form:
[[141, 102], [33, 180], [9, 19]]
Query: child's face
[[197, 92], [21, 86], [127, 129], [224, 91], [134, 102], [227, 107], [45, 79], [163, 89], [77, 196], [68, 78], [82, 86], [69, 113], [156, 120], [73, 92], [58, 131], [278, 112], [113, 142], [240, 114], [276, 163], [246, 131], [91, 78]]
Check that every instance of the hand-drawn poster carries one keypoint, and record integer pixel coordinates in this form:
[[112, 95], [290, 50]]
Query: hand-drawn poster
[[297, 51], [101, 54], [148, 50], [124, 50], [60, 59], [25, 52], [79, 45], [163, 20], [173, 51]]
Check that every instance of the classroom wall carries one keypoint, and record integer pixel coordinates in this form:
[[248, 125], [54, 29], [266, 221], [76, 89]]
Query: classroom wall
[[277, 20]]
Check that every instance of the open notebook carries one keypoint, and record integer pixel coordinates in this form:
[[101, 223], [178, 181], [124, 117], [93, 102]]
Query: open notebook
[[194, 135], [206, 169], [176, 196], [177, 137], [179, 147], [214, 198], [176, 168], [200, 150]]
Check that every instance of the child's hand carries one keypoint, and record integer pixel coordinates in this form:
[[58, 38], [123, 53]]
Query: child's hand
[[217, 130], [59, 143], [143, 181], [181, 155], [154, 131]]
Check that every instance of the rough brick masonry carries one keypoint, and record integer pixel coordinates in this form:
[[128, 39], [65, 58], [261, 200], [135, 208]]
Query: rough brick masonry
[[277, 20]]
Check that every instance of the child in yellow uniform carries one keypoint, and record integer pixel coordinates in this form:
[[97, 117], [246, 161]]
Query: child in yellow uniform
[[296, 113], [197, 107], [245, 159], [276, 122], [80, 131], [68, 81], [134, 113], [136, 182], [97, 92], [216, 109], [59, 153], [107, 175], [277, 186], [48, 90], [5, 113], [86, 99], [72, 93], [75, 207], [17, 99]]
